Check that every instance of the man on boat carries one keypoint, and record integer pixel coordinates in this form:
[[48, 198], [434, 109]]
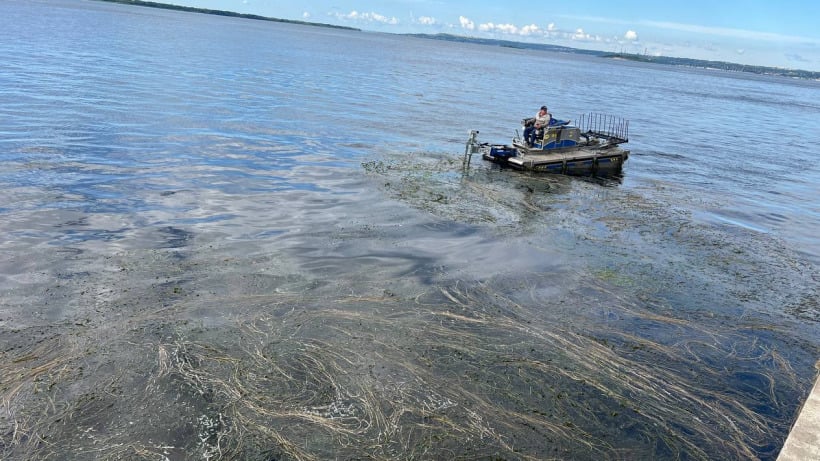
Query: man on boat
[[541, 121]]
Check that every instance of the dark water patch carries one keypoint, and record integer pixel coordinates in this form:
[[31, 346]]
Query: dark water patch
[[672, 156], [174, 237], [805, 308], [71, 275]]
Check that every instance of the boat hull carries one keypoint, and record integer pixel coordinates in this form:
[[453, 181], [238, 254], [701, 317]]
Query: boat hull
[[580, 161]]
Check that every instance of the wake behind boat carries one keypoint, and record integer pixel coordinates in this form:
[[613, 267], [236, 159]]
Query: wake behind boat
[[590, 146]]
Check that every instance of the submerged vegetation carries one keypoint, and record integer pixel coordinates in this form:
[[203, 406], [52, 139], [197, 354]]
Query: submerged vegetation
[[213, 353], [459, 371]]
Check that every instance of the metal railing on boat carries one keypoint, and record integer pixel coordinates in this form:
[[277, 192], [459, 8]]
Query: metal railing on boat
[[614, 129]]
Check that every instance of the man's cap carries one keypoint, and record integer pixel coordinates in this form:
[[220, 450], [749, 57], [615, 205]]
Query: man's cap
[[543, 107]]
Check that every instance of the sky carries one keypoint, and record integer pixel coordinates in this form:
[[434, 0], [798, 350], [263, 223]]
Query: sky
[[775, 33]]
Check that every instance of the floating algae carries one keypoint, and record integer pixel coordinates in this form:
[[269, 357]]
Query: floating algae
[[437, 184], [655, 345]]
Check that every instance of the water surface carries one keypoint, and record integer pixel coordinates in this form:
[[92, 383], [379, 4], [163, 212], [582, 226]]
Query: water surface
[[225, 239]]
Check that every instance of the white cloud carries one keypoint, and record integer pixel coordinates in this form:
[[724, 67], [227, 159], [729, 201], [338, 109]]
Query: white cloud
[[487, 27], [466, 23], [305, 15], [384, 19], [507, 28], [368, 17], [426, 20], [531, 29], [502, 28], [631, 35], [551, 27], [510, 29]]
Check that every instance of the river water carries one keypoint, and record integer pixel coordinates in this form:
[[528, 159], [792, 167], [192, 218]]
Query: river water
[[235, 239]]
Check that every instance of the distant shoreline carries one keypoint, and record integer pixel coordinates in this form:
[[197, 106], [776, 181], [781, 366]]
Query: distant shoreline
[[190, 9], [687, 62], [721, 65]]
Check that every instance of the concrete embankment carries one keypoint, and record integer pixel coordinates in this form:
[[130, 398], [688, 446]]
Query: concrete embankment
[[803, 443]]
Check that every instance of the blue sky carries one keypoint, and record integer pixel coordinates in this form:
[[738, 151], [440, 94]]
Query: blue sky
[[778, 33]]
